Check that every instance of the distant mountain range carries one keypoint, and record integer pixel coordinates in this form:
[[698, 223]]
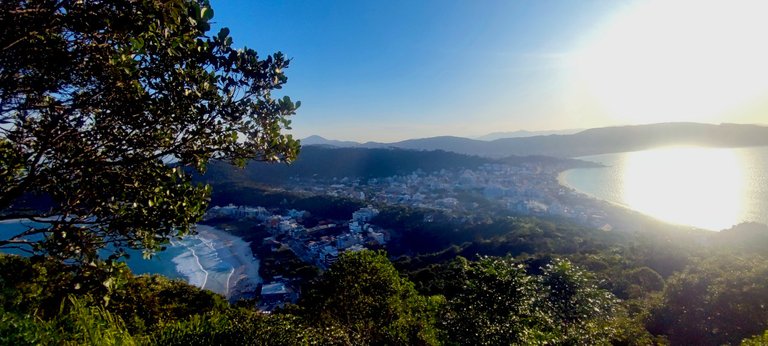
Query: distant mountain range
[[588, 142], [523, 133]]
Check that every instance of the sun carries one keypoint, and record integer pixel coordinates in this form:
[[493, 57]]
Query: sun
[[660, 61]]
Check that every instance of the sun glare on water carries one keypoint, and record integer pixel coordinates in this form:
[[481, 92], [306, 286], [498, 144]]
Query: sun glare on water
[[676, 60], [693, 186]]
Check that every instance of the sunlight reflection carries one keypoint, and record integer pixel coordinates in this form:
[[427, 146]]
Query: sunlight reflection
[[694, 186]]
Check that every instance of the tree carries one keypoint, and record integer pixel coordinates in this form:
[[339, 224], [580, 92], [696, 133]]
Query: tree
[[106, 107], [364, 294], [497, 301], [720, 300], [757, 340], [492, 303]]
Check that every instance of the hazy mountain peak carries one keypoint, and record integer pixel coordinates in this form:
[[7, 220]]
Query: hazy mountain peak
[[524, 133], [587, 142], [319, 140]]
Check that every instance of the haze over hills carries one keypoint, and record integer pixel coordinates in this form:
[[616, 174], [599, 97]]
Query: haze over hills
[[588, 142], [523, 133], [322, 162], [318, 140]]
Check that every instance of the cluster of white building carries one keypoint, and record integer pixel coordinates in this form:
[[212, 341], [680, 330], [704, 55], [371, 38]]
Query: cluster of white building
[[321, 250], [529, 188], [288, 231], [237, 212], [325, 250]]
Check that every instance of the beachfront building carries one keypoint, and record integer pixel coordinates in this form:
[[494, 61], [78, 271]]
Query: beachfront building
[[297, 214], [275, 295], [355, 227], [364, 215], [355, 248], [349, 239], [237, 212], [328, 256], [287, 225], [378, 237]]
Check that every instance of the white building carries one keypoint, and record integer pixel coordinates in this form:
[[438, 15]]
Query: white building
[[329, 255], [296, 214], [365, 214], [239, 212], [346, 240], [378, 237]]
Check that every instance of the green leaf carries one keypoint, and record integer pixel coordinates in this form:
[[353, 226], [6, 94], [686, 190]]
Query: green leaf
[[223, 33], [137, 43], [124, 182], [206, 13]]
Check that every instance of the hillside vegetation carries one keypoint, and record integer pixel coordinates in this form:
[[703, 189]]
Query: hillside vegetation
[[519, 281]]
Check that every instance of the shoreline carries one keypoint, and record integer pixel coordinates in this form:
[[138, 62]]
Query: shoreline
[[242, 274], [223, 263], [211, 259], [561, 180], [624, 216], [711, 195]]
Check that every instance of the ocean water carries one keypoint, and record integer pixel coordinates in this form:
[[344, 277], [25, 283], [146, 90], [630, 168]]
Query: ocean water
[[207, 260], [708, 188]]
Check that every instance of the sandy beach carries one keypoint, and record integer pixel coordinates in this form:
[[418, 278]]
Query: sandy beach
[[218, 261]]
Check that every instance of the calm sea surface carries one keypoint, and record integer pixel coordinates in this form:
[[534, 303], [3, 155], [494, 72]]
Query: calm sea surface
[[709, 188], [161, 263]]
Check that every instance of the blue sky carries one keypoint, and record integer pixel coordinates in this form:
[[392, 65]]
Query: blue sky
[[386, 71]]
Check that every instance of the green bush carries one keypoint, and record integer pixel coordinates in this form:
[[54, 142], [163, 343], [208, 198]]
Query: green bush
[[246, 327], [364, 294]]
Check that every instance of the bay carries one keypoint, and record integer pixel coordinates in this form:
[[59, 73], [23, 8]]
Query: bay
[[211, 259], [708, 188]]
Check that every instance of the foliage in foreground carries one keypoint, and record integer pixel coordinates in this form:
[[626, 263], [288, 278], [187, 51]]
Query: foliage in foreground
[[361, 299], [80, 322], [97, 98], [247, 327], [364, 294], [496, 301], [719, 300]]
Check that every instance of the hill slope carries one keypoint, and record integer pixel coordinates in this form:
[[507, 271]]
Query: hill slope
[[322, 162], [590, 142]]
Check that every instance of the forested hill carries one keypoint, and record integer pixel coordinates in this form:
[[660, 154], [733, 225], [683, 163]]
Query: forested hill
[[326, 163], [632, 138], [591, 142]]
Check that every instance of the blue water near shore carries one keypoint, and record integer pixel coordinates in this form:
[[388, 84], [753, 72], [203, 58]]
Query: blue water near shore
[[211, 259], [709, 188], [161, 263]]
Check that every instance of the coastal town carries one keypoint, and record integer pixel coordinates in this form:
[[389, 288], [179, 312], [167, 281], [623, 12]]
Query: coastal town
[[313, 245], [319, 245], [531, 188]]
